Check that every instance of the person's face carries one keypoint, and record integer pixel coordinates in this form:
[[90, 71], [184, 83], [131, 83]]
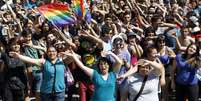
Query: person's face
[[192, 50], [8, 17], [50, 37], [153, 54], [104, 67], [132, 39], [15, 47], [144, 70], [121, 3], [127, 9], [185, 32], [161, 43], [127, 18], [193, 4], [148, 17], [118, 45], [52, 53], [150, 34], [46, 27], [30, 24], [77, 42], [108, 21], [28, 38]]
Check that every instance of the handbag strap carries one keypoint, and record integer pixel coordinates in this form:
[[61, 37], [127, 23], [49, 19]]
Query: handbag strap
[[141, 89]]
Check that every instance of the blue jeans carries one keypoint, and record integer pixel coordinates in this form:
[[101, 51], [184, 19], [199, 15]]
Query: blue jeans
[[37, 81], [183, 91], [58, 96]]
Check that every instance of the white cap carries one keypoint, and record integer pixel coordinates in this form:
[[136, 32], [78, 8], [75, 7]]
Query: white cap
[[116, 36], [195, 29], [194, 19]]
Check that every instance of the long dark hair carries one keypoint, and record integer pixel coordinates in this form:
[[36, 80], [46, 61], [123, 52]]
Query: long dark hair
[[161, 38], [186, 52], [105, 59]]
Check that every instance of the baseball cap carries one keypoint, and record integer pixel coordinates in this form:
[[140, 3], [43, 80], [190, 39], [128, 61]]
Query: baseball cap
[[131, 34]]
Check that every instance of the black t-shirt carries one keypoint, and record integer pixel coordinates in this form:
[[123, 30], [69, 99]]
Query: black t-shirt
[[90, 60], [14, 68]]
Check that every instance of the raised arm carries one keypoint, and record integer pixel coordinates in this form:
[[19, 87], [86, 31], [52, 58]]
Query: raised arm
[[157, 67], [132, 70], [69, 42], [137, 50], [27, 59], [96, 39], [36, 47], [11, 10], [118, 61], [181, 48], [86, 69]]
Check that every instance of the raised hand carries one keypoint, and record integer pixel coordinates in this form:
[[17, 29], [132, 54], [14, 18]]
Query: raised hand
[[174, 35], [27, 44], [14, 54], [105, 53], [121, 77], [68, 53], [143, 62], [84, 33]]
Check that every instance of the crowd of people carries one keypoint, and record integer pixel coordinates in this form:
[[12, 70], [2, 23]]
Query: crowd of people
[[130, 50]]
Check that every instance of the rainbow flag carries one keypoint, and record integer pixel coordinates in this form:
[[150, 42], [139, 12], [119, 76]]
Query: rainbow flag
[[58, 14], [80, 8]]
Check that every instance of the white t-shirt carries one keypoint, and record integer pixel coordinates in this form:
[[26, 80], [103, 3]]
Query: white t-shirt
[[150, 91], [107, 46]]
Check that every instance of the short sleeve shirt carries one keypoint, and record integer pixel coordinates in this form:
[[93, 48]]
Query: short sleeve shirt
[[104, 89]]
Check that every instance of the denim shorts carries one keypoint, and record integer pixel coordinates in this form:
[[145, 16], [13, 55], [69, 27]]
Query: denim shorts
[[58, 96], [37, 81]]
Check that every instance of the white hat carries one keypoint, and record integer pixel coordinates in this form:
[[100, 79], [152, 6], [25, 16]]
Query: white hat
[[116, 36], [195, 29], [194, 19]]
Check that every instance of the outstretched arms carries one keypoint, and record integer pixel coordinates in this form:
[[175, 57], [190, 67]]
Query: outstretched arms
[[27, 59], [86, 69]]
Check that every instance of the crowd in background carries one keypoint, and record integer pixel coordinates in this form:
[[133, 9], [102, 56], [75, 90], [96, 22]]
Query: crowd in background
[[131, 50]]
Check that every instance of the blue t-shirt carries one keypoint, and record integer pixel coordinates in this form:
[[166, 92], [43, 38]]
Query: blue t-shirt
[[186, 73], [104, 89], [49, 74], [197, 11]]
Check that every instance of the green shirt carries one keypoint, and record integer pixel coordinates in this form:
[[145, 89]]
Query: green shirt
[[32, 53]]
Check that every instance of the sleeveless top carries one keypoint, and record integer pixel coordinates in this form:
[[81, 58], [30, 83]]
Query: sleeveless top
[[48, 71]]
